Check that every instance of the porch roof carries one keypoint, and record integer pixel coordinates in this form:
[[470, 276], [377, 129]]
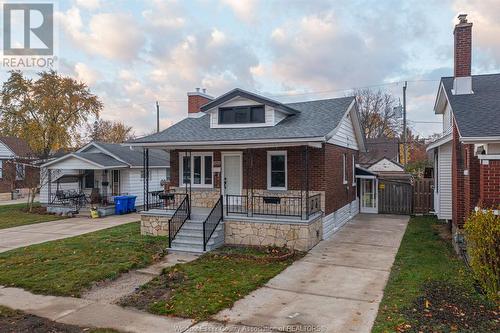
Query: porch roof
[[85, 161]]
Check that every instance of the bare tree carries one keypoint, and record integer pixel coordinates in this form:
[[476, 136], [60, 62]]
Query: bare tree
[[377, 115], [110, 131]]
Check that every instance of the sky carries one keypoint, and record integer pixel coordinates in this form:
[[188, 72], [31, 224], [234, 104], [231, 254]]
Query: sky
[[133, 53]]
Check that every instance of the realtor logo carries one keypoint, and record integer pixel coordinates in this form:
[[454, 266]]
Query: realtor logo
[[28, 35]]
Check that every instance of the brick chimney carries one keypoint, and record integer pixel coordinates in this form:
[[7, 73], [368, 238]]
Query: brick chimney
[[196, 100], [463, 56]]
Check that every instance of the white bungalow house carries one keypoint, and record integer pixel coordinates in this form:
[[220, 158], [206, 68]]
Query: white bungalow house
[[96, 173]]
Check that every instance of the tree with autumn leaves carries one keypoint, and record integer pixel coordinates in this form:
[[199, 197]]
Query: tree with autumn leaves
[[49, 112]]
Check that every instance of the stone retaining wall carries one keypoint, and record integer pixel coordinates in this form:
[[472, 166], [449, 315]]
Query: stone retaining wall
[[154, 224], [298, 236]]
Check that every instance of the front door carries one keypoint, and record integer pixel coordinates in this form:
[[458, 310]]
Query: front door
[[231, 177], [368, 193]]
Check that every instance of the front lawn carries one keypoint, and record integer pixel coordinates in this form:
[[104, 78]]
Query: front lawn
[[430, 289], [20, 322], [213, 282], [68, 266], [16, 215]]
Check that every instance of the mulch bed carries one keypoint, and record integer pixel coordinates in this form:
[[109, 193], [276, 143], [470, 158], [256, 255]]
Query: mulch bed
[[444, 307], [37, 210], [19, 322], [266, 255]]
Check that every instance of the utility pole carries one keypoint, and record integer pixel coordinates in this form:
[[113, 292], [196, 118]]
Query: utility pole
[[405, 144], [157, 117]]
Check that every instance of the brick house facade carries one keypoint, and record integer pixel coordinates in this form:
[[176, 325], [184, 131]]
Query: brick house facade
[[284, 174], [16, 172], [325, 172], [467, 155]]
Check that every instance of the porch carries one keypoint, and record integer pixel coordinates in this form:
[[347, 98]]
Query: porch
[[79, 190], [244, 189]]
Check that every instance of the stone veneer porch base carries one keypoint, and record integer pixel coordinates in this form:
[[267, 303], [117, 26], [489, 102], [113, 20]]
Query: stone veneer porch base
[[261, 231], [297, 235]]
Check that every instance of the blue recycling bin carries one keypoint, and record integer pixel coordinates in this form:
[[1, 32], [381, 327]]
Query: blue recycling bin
[[131, 203], [121, 204]]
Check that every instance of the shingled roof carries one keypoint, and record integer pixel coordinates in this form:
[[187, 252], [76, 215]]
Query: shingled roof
[[17, 146], [477, 114], [313, 119]]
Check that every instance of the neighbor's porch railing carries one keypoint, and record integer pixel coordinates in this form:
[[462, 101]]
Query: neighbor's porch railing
[[167, 201], [276, 206], [79, 199]]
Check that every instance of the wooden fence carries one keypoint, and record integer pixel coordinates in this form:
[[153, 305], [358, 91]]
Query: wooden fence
[[423, 196]]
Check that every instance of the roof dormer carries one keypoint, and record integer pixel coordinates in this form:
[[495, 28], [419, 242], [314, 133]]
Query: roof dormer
[[239, 109]]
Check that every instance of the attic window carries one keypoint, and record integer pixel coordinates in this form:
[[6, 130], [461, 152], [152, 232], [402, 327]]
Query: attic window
[[242, 115]]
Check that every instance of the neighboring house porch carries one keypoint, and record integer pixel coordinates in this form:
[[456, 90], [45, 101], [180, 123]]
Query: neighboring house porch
[[93, 176]]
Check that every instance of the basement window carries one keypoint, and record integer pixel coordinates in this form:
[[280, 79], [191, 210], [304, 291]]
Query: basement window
[[242, 115]]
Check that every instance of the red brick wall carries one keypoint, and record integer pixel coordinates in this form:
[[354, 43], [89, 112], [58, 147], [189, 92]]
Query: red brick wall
[[258, 174], [457, 180], [325, 171], [32, 178], [195, 102], [463, 49], [471, 180], [337, 193], [489, 194]]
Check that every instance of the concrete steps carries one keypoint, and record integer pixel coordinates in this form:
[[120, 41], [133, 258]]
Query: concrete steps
[[190, 237]]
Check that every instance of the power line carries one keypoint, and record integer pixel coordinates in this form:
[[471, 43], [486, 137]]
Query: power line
[[285, 94]]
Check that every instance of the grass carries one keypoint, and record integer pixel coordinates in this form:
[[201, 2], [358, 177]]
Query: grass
[[69, 266], [18, 321], [428, 282], [213, 282], [14, 216]]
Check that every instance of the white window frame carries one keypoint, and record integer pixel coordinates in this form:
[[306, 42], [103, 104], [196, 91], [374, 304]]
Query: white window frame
[[344, 167], [202, 156], [276, 153], [353, 170], [1, 169]]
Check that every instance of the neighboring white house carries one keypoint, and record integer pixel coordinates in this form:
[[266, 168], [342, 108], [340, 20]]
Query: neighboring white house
[[98, 172]]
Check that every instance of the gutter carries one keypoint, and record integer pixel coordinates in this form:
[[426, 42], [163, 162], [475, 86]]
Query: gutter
[[235, 142]]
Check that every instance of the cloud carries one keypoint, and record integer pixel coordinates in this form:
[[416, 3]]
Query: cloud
[[88, 4], [86, 74], [115, 36], [245, 10], [316, 52]]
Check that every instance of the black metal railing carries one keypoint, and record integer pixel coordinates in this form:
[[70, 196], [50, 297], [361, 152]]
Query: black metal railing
[[236, 204], [277, 206], [167, 201], [212, 221], [180, 216], [287, 206], [79, 199], [314, 204]]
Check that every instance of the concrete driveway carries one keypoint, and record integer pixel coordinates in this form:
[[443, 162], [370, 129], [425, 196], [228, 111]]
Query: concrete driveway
[[29, 234], [336, 287]]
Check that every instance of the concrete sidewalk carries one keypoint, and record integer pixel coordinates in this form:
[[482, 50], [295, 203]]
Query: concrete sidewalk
[[97, 311], [30, 234], [18, 201], [77, 311], [336, 287]]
